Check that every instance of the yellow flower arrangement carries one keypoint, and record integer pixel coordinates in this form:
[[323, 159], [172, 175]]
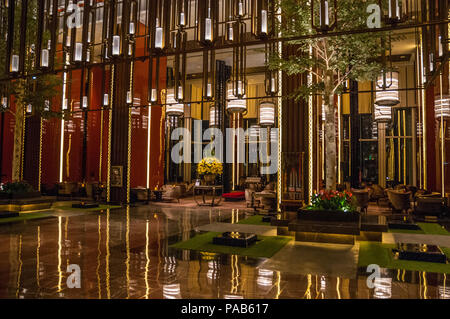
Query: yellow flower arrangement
[[210, 166]]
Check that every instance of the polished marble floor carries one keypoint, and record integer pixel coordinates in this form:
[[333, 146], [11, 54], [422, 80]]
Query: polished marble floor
[[125, 253]]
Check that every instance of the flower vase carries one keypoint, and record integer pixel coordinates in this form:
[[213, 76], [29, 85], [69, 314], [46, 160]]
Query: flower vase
[[209, 179]]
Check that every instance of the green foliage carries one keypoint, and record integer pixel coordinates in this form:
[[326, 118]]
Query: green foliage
[[348, 56], [332, 200], [17, 188], [29, 90]]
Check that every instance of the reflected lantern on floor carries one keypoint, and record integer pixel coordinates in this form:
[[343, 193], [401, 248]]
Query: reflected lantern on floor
[[173, 108], [382, 113], [213, 117], [442, 107], [387, 89]]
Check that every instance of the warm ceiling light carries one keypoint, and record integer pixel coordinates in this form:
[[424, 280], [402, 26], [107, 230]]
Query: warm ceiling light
[[172, 107], [267, 114], [442, 106], [387, 89]]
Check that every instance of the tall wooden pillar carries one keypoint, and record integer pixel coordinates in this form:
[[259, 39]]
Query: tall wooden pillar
[[430, 139], [355, 145], [31, 157], [119, 133]]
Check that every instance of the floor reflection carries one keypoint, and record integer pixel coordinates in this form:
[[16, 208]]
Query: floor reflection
[[125, 254]]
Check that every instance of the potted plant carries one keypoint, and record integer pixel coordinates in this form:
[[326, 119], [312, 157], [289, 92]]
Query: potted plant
[[209, 168], [330, 206], [18, 190]]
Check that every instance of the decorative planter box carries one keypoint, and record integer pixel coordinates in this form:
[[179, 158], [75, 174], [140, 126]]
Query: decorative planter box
[[328, 216], [235, 239], [20, 195], [415, 252], [326, 226]]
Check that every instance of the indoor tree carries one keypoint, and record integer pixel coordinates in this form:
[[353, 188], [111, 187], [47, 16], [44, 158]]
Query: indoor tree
[[331, 60], [25, 90]]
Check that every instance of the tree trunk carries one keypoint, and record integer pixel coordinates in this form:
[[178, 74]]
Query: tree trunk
[[18, 142], [330, 134]]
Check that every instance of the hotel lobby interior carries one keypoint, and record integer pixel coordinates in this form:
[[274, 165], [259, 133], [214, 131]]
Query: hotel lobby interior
[[224, 149]]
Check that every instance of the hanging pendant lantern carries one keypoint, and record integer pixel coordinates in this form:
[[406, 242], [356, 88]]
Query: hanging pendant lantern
[[14, 63], [325, 24], [267, 114], [159, 38], [116, 45], [78, 52], [382, 113], [213, 117], [387, 89], [234, 104], [4, 102], [105, 99], [173, 108], [129, 97], [442, 107], [44, 58], [47, 106], [29, 109], [84, 103]]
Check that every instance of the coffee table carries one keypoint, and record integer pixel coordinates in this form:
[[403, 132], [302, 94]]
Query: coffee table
[[208, 195]]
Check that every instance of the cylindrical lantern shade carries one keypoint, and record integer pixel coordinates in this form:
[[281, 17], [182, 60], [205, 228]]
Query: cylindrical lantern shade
[[4, 102], [442, 106], [387, 90], [235, 105], [14, 63], [213, 117], [382, 113], [44, 58], [254, 131], [266, 114], [116, 45], [172, 107], [47, 105], [78, 54]]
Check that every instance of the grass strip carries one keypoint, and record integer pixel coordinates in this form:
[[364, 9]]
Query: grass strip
[[23, 217], [426, 228], [381, 254], [94, 209], [265, 246], [433, 229], [254, 220]]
